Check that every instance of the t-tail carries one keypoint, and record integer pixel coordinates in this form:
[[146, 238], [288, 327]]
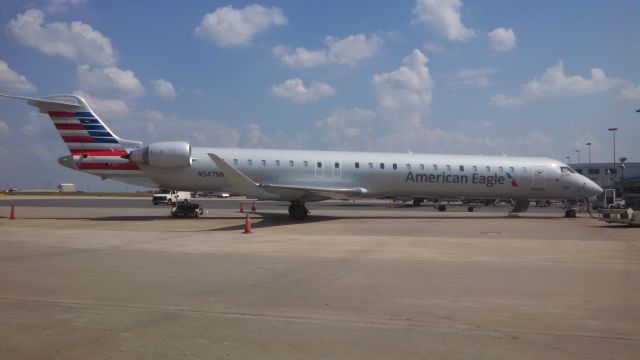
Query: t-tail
[[93, 146]]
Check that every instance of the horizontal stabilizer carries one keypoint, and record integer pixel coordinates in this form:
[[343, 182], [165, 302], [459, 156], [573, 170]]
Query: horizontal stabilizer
[[47, 104]]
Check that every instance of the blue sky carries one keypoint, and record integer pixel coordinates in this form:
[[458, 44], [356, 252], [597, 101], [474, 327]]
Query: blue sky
[[442, 76]]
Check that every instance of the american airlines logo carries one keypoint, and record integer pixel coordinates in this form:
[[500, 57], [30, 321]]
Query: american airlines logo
[[444, 178]]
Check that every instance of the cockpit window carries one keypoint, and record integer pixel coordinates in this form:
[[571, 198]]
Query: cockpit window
[[567, 170]]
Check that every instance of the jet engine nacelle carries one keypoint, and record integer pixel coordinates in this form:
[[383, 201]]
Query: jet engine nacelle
[[169, 154]]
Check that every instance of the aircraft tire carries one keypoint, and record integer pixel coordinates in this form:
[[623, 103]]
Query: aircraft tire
[[470, 209], [298, 212], [442, 208]]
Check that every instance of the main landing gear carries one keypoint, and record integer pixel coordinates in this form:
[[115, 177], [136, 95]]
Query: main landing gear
[[298, 211]]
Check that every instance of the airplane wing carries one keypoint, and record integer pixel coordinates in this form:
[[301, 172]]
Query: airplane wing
[[239, 182]]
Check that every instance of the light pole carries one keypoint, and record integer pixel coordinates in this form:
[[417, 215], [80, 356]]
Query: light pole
[[622, 160], [589, 146], [613, 130], [568, 159], [579, 160]]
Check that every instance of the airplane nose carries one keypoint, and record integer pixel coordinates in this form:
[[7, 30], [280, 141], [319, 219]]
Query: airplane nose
[[591, 188]]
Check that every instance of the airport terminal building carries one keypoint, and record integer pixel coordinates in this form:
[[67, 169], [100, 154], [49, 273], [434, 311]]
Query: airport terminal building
[[606, 175]]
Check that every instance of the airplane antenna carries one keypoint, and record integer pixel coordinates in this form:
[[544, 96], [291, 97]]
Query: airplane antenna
[[409, 151]]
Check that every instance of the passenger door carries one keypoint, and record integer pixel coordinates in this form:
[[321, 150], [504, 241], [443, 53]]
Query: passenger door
[[539, 178], [337, 168], [319, 168]]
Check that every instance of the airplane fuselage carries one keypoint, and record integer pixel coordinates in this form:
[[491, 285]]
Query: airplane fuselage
[[381, 174]]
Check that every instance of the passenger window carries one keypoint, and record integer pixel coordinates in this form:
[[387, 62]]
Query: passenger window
[[277, 162], [512, 169], [306, 163], [500, 169], [290, 162], [395, 166], [336, 165], [319, 164], [357, 165], [421, 166], [461, 168], [448, 167], [408, 166], [475, 168], [235, 161], [249, 162], [370, 165], [264, 162], [381, 166], [488, 168]]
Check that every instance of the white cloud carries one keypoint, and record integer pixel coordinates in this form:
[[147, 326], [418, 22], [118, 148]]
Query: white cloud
[[105, 108], [254, 136], [473, 77], [228, 26], [58, 6], [485, 124], [13, 81], [344, 129], [153, 115], [406, 92], [502, 39], [164, 89], [76, 40], [300, 57], [109, 81], [505, 101], [630, 92], [296, 91], [444, 17], [4, 128], [348, 50], [554, 82], [433, 47]]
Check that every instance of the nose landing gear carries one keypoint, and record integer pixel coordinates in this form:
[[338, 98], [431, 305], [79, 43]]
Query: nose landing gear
[[298, 211]]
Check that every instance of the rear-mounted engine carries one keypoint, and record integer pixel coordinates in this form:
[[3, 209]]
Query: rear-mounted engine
[[170, 154]]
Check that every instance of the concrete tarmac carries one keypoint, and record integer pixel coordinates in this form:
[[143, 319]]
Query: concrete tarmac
[[353, 282]]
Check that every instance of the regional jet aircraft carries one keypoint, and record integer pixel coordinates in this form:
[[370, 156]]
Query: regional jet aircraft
[[300, 176]]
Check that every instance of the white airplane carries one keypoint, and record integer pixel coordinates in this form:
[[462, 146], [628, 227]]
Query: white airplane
[[300, 176]]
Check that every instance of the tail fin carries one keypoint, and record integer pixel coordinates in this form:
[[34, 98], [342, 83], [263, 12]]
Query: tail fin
[[80, 128]]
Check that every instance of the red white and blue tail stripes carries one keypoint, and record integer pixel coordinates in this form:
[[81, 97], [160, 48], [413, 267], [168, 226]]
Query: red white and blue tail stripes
[[94, 147]]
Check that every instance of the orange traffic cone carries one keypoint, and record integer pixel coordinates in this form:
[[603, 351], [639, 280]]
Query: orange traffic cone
[[247, 225], [241, 207], [253, 206], [13, 212]]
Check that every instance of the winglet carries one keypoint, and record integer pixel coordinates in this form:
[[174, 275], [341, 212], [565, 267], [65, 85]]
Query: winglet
[[235, 177]]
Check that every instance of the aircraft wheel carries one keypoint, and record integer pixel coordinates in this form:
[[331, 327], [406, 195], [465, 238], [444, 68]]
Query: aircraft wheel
[[442, 208], [470, 209], [571, 213], [298, 212], [417, 202]]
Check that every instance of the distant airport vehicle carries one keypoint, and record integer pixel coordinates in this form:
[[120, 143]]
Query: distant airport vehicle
[[185, 209], [302, 176], [170, 197], [66, 188]]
